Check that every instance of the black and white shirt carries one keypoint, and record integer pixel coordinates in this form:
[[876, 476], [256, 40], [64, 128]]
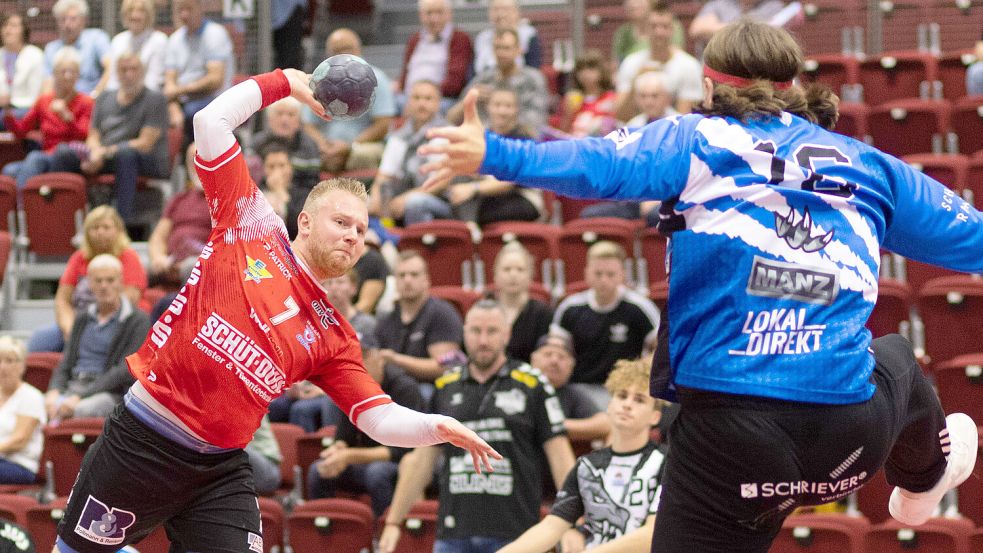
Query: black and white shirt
[[614, 492]]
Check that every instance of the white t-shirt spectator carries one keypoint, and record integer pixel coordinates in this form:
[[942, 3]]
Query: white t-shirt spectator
[[151, 45], [188, 55], [682, 74], [27, 401]]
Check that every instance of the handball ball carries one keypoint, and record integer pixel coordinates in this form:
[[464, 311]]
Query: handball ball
[[345, 86]]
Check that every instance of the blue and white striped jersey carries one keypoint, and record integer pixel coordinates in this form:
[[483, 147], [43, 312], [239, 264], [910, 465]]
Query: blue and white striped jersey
[[775, 271]]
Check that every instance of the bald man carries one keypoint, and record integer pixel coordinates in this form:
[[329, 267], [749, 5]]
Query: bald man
[[355, 144]]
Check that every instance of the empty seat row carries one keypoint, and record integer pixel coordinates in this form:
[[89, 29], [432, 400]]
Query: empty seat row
[[914, 126]]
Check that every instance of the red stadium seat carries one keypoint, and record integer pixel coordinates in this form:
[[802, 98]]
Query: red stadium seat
[[448, 248], [971, 495], [541, 239], [14, 507], [336, 525], [833, 70], [960, 384], [6, 246], [967, 124], [905, 127], [872, 498], [893, 306], [653, 258], [570, 208], [578, 235], [309, 447], [11, 148], [976, 540], [287, 435], [8, 204], [65, 446], [952, 73], [821, 534], [916, 273], [39, 366], [974, 181], [58, 197], [952, 310], [896, 75], [949, 169], [42, 523], [271, 514], [936, 536], [853, 120], [461, 298], [419, 528], [659, 294]]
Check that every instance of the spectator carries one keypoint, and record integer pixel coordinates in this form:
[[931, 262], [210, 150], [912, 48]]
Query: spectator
[[278, 182], [22, 71], [347, 145], [554, 357], [127, 136], [487, 199], [618, 511], [716, 14], [588, 107], [102, 232], [304, 404], [607, 321], [504, 14], [682, 73], [421, 329], [283, 122], [528, 318], [63, 115], [198, 64], [394, 193], [527, 82], [182, 230], [71, 17], [288, 33], [264, 458], [974, 74], [93, 375], [140, 37], [631, 36], [439, 53], [354, 462], [652, 99], [21, 416], [512, 406], [373, 270]]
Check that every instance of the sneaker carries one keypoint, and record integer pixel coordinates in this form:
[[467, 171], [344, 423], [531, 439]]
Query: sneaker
[[959, 440]]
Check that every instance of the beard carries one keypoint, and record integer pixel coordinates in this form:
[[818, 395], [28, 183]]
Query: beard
[[329, 261]]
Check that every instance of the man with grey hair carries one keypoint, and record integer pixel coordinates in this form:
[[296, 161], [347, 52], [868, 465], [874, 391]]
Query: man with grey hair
[[439, 52], [284, 124], [92, 376], [71, 17]]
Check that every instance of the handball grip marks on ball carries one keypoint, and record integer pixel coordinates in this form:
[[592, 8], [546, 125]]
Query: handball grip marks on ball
[[345, 85]]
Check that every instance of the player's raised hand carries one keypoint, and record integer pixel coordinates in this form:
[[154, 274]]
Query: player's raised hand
[[300, 88], [462, 150], [455, 433]]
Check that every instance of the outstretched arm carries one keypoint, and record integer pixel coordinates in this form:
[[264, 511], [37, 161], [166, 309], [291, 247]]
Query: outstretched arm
[[540, 538]]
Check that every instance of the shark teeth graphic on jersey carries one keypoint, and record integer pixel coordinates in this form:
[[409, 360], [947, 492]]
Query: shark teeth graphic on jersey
[[801, 236]]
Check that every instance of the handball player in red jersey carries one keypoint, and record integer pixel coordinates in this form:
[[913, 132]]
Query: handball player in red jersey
[[251, 320]]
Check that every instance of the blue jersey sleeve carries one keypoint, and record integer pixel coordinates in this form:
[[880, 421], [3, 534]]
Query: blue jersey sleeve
[[651, 163], [931, 223]]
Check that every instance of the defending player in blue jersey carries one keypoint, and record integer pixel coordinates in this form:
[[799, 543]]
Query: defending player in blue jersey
[[778, 224]]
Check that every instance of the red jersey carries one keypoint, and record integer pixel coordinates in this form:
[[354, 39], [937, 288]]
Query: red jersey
[[250, 321]]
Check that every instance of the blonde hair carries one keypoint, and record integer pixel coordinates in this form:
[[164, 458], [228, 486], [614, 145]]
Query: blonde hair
[[105, 261], [323, 188], [606, 249], [146, 5], [9, 344], [96, 216], [511, 247], [767, 55], [630, 374], [67, 54]]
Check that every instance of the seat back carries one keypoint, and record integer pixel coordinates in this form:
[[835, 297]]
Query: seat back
[[935, 536], [448, 248], [952, 310], [967, 123], [309, 447], [873, 496], [42, 523], [271, 513], [8, 204], [895, 75], [893, 306], [541, 239], [948, 169], [65, 446], [833, 70], [419, 530], [654, 246], [952, 73], [6, 245], [14, 507], [40, 365], [908, 127], [853, 120], [577, 236], [820, 534], [51, 197], [461, 298], [336, 525], [974, 179], [287, 435]]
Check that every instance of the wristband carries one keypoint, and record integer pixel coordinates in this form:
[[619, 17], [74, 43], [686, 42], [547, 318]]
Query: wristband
[[273, 86]]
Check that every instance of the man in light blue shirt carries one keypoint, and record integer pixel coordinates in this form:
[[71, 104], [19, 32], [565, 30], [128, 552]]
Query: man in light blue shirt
[[357, 143], [71, 17]]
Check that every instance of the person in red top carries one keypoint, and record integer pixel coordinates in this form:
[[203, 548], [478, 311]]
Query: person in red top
[[252, 319], [62, 115]]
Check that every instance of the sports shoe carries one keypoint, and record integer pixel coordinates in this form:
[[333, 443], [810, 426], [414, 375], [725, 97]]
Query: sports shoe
[[960, 440]]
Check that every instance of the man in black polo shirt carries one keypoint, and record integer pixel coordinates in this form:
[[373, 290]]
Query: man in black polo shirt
[[421, 329], [513, 407]]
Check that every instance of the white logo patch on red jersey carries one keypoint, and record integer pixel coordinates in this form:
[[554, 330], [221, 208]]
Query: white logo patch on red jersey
[[225, 344]]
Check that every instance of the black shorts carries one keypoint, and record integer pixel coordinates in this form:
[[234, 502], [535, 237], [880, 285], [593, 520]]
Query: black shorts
[[133, 479], [738, 465]]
